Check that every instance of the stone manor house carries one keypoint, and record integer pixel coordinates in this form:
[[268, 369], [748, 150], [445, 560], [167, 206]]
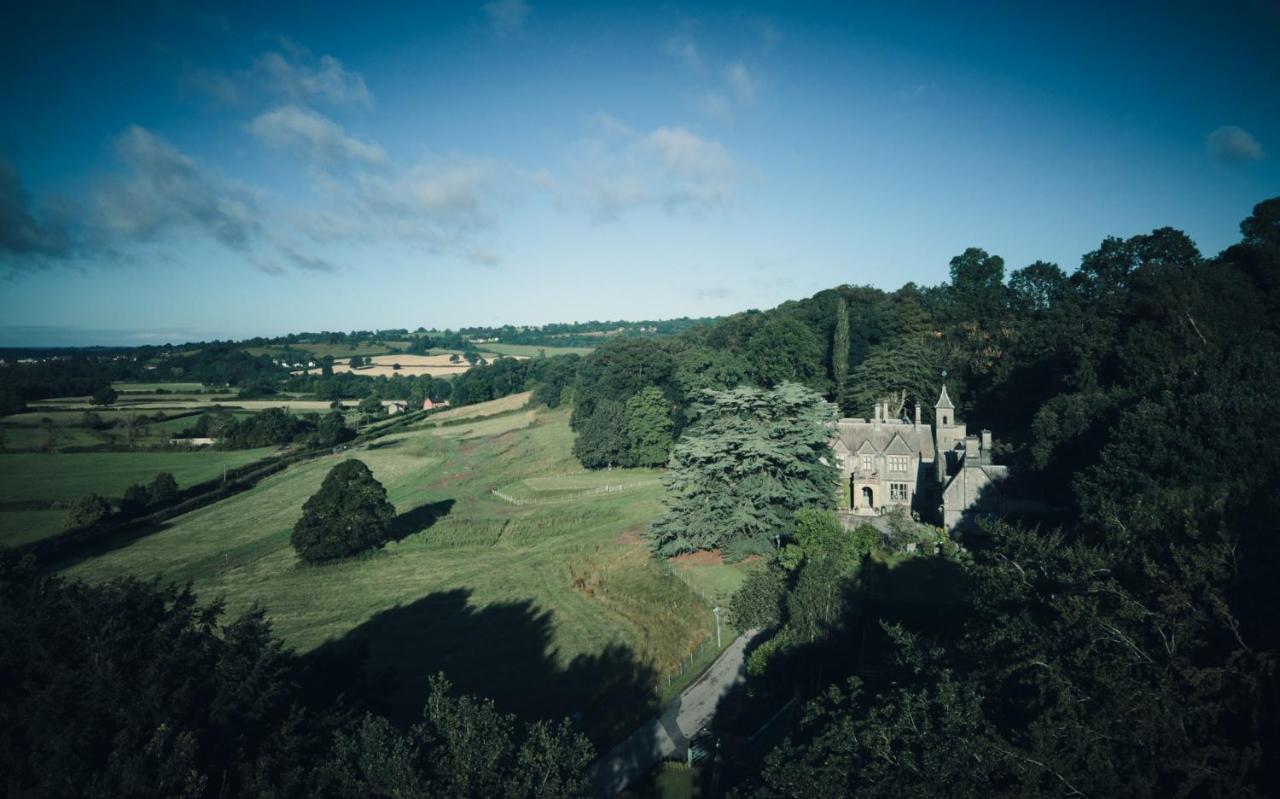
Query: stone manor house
[[944, 475]]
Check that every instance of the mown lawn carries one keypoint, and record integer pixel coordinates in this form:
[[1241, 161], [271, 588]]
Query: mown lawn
[[549, 609]]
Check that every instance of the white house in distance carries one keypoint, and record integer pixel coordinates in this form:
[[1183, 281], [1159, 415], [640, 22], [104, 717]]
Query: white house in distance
[[943, 474]]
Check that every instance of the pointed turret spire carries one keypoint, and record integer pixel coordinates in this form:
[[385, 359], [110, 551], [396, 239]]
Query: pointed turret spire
[[943, 400]]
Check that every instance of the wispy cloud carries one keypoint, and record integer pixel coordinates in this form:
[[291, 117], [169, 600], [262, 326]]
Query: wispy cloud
[[296, 74], [311, 263], [313, 137], [162, 196], [682, 46], [30, 236], [507, 16], [166, 191], [618, 170], [721, 92], [741, 81], [1230, 144]]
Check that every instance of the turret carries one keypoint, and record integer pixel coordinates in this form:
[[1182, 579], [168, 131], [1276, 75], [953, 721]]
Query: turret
[[946, 432], [944, 410]]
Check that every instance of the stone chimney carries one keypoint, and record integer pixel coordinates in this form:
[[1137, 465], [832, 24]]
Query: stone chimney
[[986, 441], [917, 414], [876, 420], [971, 450]]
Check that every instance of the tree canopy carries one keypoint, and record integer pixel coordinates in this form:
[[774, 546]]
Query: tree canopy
[[349, 514], [750, 460]]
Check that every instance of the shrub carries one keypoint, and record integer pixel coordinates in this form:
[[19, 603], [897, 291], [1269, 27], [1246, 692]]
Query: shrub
[[87, 510], [136, 499], [758, 603], [350, 513], [104, 396], [163, 488]]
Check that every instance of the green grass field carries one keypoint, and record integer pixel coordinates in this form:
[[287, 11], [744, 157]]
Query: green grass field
[[63, 477], [172, 388], [532, 350], [25, 431], [548, 609]]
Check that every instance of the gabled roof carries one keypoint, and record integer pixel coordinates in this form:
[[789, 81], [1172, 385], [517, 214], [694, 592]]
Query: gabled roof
[[840, 447], [944, 401], [899, 447], [870, 438]]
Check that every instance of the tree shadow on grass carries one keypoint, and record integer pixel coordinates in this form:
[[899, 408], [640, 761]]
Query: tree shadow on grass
[[503, 651], [418, 519]]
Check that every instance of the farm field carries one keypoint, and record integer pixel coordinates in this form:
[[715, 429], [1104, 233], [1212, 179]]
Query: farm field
[[181, 403], [27, 431], [34, 479], [437, 365], [170, 388], [510, 402], [550, 609], [532, 350], [321, 350]]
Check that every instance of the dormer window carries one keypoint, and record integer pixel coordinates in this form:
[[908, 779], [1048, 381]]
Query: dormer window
[[899, 463], [868, 463]]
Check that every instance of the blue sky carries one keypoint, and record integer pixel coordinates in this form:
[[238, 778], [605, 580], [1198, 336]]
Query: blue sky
[[174, 171]]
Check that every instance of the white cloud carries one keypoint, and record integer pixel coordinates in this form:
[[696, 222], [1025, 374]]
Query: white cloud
[[314, 137], [166, 194], [716, 105], [682, 46], [507, 16], [167, 191], [611, 124], [669, 167], [701, 171], [1231, 143], [297, 75], [741, 82]]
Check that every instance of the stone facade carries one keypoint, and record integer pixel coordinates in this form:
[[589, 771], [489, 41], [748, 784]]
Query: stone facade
[[942, 474]]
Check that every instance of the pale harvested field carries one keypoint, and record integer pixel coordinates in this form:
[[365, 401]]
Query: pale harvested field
[[513, 402], [410, 366]]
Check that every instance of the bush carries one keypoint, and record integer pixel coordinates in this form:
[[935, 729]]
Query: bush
[[87, 510], [371, 405], [758, 603], [332, 430], [349, 514], [163, 488], [136, 499], [104, 396]]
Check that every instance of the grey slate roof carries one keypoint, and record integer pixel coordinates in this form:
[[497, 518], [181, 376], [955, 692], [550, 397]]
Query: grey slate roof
[[859, 435]]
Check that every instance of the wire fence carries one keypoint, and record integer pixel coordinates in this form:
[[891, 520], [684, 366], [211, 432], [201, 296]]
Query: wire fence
[[688, 661]]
